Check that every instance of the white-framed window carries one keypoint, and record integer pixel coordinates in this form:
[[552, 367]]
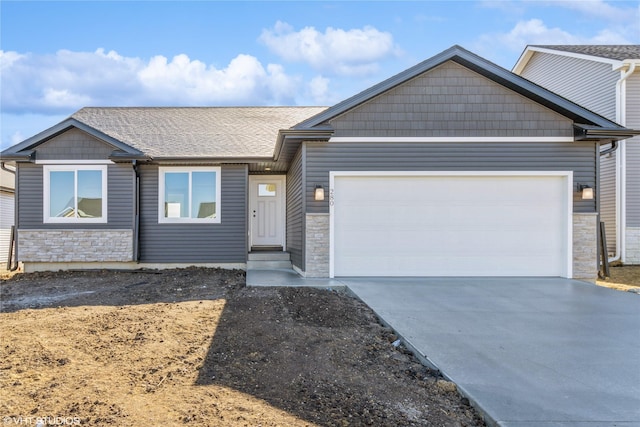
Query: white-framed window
[[188, 195], [75, 193]]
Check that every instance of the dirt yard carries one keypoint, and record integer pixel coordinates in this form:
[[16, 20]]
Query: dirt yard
[[626, 278], [197, 347]]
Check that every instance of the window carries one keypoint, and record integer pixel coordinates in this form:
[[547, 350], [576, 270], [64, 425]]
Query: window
[[267, 190], [75, 194], [189, 195]]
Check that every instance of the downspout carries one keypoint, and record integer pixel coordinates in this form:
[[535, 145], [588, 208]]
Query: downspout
[[136, 217], [12, 266], [621, 158]]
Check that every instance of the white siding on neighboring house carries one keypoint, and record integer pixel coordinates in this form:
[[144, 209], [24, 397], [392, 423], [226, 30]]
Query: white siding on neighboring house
[[570, 78], [633, 151], [608, 198], [591, 84], [6, 221]]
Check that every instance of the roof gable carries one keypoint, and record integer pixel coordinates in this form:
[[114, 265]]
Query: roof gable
[[446, 101], [479, 65], [24, 150]]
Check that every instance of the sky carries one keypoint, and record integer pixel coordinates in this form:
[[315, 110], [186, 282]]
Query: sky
[[57, 57]]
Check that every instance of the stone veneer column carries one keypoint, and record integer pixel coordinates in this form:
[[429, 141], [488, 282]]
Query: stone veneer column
[[632, 243], [585, 246], [317, 245], [75, 245]]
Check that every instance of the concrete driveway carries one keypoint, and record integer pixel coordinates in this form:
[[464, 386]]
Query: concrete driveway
[[525, 351]]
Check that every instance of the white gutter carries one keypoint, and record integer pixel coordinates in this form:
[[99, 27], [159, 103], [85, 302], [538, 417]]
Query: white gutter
[[621, 158]]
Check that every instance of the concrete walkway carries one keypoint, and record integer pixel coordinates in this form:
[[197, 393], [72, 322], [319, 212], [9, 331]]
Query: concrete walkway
[[525, 351]]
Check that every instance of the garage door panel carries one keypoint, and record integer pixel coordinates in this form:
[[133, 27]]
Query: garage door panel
[[449, 226], [447, 266]]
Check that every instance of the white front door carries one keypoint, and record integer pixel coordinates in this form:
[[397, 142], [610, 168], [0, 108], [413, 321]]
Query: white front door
[[266, 210]]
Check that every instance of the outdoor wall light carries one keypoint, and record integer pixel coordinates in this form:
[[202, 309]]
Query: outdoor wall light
[[318, 194], [587, 191]]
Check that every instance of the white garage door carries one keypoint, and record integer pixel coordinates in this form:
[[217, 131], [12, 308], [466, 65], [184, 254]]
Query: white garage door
[[450, 225]]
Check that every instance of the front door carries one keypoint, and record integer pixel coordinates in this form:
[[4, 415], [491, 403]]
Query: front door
[[266, 210]]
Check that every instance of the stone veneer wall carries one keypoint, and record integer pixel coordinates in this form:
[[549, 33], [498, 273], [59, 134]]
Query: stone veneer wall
[[585, 246], [317, 245], [632, 241], [75, 245]]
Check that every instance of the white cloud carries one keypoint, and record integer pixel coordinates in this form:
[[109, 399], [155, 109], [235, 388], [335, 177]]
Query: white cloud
[[535, 31], [16, 137], [7, 59], [15, 128], [67, 80], [319, 90], [597, 8], [337, 51]]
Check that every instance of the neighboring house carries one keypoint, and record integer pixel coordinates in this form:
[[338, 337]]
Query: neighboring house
[[604, 79], [453, 167], [7, 192]]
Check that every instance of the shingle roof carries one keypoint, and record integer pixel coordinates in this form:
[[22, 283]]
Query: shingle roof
[[616, 52], [183, 132]]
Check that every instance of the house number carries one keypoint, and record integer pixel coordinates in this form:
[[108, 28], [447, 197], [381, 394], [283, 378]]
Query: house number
[[331, 201]]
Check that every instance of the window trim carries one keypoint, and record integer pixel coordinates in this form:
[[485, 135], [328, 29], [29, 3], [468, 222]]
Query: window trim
[[162, 170], [70, 167]]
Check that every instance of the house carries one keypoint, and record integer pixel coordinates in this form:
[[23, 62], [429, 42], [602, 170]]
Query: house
[[604, 79], [453, 167], [7, 192]]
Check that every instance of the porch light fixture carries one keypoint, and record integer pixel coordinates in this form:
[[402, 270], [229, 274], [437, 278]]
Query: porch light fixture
[[318, 194], [587, 191]]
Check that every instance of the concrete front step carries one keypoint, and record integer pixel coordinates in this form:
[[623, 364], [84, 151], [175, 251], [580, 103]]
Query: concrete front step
[[269, 256], [268, 260]]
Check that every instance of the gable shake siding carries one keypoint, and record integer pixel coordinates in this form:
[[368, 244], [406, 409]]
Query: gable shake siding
[[74, 144], [195, 243], [295, 210], [451, 100]]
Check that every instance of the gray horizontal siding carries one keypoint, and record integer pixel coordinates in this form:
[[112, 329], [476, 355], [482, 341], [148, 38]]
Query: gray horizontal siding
[[73, 144], [119, 198], [295, 209], [633, 151], [588, 83], [195, 243], [451, 100], [325, 157]]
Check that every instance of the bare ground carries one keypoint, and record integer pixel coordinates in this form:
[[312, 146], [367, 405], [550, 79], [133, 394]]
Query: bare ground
[[623, 278], [197, 347]]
